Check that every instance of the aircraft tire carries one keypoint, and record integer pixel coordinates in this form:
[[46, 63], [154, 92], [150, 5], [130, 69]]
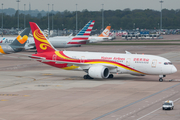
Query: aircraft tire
[[87, 77], [111, 76], [160, 80]]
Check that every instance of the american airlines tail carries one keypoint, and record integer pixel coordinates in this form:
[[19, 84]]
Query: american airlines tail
[[105, 33], [83, 35], [86, 31], [42, 43]]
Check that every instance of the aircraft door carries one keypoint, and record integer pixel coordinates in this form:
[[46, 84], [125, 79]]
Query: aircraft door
[[82, 59], [128, 61], [154, 63], [54, 57]]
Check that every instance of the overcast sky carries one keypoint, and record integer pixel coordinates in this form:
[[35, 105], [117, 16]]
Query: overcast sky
[[91, 5]]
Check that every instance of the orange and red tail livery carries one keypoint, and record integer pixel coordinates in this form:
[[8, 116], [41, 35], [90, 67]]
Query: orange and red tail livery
[[105, 33], [42, 44]]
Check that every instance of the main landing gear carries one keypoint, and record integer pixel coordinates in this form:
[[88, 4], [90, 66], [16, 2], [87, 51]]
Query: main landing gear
[[87, 77], [161, 78], [111, 76]]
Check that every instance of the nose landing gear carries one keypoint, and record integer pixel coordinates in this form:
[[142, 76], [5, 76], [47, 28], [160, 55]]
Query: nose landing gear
[[161, 78]]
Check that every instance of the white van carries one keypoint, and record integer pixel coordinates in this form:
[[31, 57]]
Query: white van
[[168, 105]]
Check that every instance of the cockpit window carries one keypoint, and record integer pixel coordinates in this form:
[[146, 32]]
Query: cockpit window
[[167, 63]]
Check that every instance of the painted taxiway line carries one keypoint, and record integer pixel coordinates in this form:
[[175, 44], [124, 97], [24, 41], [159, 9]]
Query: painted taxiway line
[[134, 102], [155, 102], [155, 110]]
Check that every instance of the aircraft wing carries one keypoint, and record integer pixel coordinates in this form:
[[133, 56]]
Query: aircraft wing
[[82, 65]]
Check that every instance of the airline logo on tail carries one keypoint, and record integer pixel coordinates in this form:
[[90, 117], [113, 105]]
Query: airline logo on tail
[[23, 39], [82, 36], [86, 31], [105, 33], [2, 40], [42, 44]]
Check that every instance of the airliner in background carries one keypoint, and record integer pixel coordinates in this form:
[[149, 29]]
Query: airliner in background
[[102, 37], [60, 41], [17, 44], [83, 37], [97, 64]]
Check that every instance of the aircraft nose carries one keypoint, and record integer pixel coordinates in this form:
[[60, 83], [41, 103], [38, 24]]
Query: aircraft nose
[[173, 70]]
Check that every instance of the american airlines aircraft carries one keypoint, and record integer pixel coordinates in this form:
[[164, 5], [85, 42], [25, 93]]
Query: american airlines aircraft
[[97, 64], [17, 45], [60, 42]]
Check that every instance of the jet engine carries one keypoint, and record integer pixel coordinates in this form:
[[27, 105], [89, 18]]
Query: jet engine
[[98, 72]]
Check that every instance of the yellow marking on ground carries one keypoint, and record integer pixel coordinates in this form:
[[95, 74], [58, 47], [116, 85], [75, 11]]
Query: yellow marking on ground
[[25, 95], [69, 79], [3, 100], [58, 85]]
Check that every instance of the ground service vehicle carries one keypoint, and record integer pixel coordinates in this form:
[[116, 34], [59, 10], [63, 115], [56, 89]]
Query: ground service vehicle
[[168, 105]]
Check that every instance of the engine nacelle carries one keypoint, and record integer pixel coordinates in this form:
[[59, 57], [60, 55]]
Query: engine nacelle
[[98, 71]]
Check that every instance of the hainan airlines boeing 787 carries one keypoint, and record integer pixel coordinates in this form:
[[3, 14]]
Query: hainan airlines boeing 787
[[97, 64]]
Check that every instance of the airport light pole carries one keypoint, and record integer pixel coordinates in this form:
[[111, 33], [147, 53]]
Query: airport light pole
[[52, 16], [102, 17], [161, 17], [18, 14], [76, 20], [48, 21], [2, 19], [134, 26], [24, 16]]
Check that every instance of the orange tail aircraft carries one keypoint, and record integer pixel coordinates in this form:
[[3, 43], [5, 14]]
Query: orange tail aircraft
[[17, 45], [105, 33], [102, 37]]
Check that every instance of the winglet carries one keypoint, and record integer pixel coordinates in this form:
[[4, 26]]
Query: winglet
[[41, 42], [105, 33]]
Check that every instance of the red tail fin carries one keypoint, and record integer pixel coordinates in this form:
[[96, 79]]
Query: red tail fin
[[42, 44]]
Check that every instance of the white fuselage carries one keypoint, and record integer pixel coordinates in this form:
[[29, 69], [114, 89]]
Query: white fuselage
[[147, 64], [94, 39], [57, 42]]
